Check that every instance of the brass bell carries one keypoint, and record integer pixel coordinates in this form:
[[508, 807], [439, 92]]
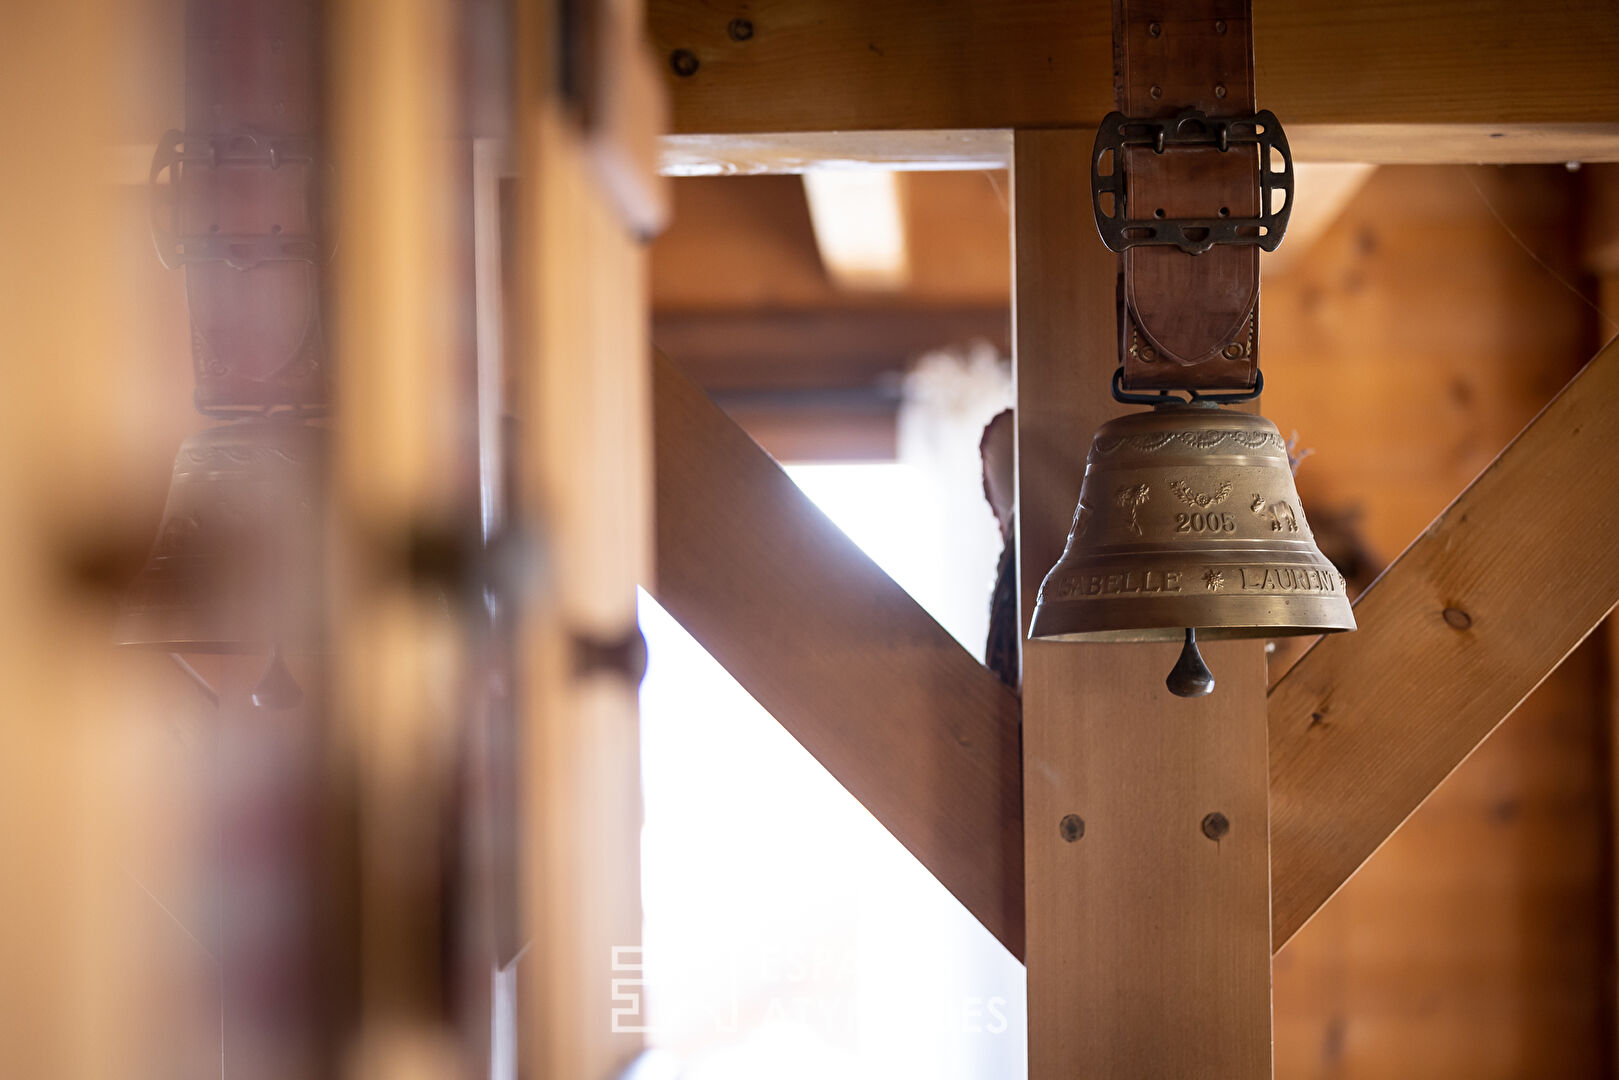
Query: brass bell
[[1189, 524], [236, 567]]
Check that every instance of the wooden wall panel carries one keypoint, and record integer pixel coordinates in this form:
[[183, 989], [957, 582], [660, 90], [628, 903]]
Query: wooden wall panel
[[1405, 348], [1418, 337], [1474, 943]]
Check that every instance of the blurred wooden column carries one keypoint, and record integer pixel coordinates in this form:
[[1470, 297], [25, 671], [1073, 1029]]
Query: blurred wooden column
[[403, 512], [66, 542], [588, 193], [1148, 943]]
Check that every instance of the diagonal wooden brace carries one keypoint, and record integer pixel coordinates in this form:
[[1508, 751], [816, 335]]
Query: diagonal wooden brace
[[1454, 635], [917, 730]]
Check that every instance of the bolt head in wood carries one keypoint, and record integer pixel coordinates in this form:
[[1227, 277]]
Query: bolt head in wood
[[683, 62]]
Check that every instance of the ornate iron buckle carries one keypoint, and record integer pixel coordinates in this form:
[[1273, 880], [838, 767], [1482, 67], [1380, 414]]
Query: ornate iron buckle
[[1191, 129], [1193, 397], [176, 152]]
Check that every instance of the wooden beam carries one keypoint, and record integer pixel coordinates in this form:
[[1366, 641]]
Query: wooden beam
[[748, 242], [721, 154], [1454, 636], [818, 349], [1522, 143], [1429, 80], [924, 736], [585, 487], [1148, 942], [395, 466], [74, 805], [799, 427]]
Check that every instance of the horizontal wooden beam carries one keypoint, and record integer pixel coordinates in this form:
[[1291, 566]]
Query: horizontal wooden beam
[[917, 730], [790, 349], [1354, 80], [1454, 635], [959, 150]]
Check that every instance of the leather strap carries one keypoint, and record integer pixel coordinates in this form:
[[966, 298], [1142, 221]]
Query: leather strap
[[1188, 320], [246, 223]]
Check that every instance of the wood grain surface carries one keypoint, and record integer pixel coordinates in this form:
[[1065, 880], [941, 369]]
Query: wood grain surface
[[1148, 947], [1473, 68], [1454, 636]]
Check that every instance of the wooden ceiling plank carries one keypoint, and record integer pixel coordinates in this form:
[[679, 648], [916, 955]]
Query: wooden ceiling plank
[[1428, 80], [917, 730], [1456, 633]]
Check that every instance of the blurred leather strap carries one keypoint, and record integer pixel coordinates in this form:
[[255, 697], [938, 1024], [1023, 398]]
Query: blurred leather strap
[[1188, 320], [248, 204]]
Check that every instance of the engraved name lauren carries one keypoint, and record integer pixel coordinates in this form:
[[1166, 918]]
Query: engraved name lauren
[[1289, 579], [1153, 581]]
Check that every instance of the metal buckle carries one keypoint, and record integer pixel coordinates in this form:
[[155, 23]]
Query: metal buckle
[[1191, 130], [1193, 397], [177, 151]]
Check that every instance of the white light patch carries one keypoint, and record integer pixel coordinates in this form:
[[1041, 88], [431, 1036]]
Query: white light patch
[[859, 220]]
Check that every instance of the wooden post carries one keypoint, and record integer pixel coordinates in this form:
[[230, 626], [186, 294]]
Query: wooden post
[[1148, 942], [70, 531], [399, 474], [584, 394]]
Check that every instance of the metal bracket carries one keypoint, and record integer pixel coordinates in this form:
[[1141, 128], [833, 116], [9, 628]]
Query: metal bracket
[[177, 152], [1193, 397], [1192, 129]]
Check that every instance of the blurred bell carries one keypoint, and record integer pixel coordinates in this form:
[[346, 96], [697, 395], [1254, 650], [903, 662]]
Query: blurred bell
[[237, 563], [1188, 520]]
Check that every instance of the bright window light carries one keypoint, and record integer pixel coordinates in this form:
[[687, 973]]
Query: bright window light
[[787, 934]]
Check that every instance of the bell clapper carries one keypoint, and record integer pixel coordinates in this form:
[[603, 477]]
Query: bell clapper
[[1190, 677]]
